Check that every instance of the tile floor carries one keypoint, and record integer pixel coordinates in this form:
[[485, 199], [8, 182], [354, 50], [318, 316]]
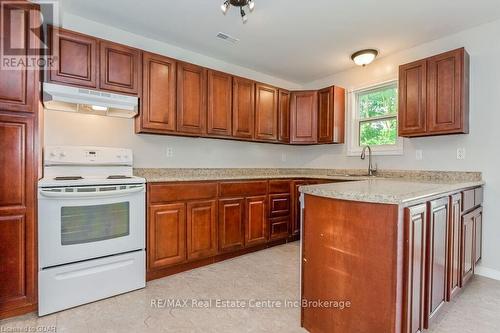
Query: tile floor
[[269, 274]]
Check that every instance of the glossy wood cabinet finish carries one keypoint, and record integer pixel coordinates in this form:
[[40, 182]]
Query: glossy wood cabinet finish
[[201, 229], [119, 66], [243, 108], [437, 257], [167, 235], [266, 113], [191, 98], [331, 115], [284, 116], [279, 205], [231, 224], [220, 99], [414, 270], [77, 58], [256, 224], [478, 234], [467, 256], [454, 245], [304, 117], [158, 99], [18, 87], [434, 95], [413, 98]]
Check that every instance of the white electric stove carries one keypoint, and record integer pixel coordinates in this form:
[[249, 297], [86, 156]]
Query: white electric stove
[[91, 226]]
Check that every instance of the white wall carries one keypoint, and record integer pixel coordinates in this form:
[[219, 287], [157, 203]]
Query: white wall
[[439, 153]]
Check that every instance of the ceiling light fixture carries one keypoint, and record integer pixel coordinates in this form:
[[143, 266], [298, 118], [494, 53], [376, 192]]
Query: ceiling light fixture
[[364, 57], [238, 3]]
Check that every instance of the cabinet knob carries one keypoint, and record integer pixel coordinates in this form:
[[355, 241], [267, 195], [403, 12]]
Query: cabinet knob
[[305, 260]]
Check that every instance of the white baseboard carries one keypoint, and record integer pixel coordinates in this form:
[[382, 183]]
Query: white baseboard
[[487, 272]]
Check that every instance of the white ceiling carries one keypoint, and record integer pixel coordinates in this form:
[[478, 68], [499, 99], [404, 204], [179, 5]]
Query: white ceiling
[[296, 40]]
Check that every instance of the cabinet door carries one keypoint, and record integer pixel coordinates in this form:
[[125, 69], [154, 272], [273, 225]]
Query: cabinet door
[[304, 117], [279, 205], [266, 113], [467, 248], [220, 99], [119, 68], [413, 99], [279, 227], [296, 212], [445, 92], [243, 108], [414, 268], [167, 235], [478, 234], [17, 216], [284, 116], [325, 115], [256, 227], [191, 98], [18, 86], [158, 111], [437, 257], [231, 224], [201, 229], [76, 58], [338, 115], [454, 245]]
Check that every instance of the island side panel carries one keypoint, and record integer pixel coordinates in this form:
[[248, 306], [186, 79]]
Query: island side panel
[[351, 252]]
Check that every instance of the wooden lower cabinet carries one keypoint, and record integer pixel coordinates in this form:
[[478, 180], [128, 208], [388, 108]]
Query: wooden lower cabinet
[[471, 243], [256, 226], [415, 235], [167, 235], [478, 234], [454, 245], [201, 229], [278, 228], [231, 224], [437, 257]]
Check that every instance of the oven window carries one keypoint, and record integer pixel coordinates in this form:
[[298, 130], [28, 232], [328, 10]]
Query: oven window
[[85, 224]]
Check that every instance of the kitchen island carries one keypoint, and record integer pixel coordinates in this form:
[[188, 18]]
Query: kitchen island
[[393, 252]]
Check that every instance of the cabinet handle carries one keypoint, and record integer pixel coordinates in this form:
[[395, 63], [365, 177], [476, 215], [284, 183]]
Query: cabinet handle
[[305, 260]]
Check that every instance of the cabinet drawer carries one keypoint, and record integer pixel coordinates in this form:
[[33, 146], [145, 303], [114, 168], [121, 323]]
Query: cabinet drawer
[[467, 200], [478, 196], [279, 227], [279, 186], [241, 189], [279, 205], [162, 192]]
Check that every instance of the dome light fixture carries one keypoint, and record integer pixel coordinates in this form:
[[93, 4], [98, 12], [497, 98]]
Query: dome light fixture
[[238, 3], [364, 57]]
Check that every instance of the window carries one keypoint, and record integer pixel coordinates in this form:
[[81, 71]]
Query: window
[[374, 120]]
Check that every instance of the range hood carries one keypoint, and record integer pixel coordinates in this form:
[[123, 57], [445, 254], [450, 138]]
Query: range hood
[[57, 97]]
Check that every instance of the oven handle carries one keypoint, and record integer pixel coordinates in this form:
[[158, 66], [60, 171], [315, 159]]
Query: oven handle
[[72, 195]]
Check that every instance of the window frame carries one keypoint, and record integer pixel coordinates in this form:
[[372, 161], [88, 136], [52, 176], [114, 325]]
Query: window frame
[[354, 121]]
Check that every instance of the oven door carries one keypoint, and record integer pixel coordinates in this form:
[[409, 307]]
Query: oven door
[[80, 223]]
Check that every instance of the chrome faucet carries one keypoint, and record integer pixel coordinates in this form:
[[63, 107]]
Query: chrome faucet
[[371, 169]]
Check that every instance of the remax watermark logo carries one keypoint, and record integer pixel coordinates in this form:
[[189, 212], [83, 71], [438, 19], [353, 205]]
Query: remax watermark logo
[[22, 46]]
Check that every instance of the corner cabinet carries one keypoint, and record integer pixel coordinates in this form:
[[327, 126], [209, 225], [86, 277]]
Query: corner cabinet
[[304, 117], [331, 115], [434, 95], [284, 116]]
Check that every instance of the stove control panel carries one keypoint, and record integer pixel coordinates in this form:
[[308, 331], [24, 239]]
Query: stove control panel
[[83, 155]]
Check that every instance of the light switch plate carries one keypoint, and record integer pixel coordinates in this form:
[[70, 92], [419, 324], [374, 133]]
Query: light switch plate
[[170, 152], [460, 153], [419, 154], [283, 157]]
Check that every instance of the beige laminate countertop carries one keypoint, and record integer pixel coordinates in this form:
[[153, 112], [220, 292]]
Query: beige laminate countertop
[[388, 191]]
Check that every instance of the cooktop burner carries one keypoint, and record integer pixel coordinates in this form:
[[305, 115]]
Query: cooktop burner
[[68, 178], [118, 177]]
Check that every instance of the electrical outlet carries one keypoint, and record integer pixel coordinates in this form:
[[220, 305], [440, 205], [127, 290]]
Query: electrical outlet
[[419, 154], [460, 153], [170, 152], [283, 157]]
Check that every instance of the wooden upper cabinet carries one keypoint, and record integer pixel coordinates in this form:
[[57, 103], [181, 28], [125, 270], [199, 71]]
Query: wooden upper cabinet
[[434, 95], [119, 68], [284, 116], [448, 90], [76, 58], [243, 108], [201, 229], [18, 86], [437, 257], [191, 98], [166, 235], [158, 113], [266, 113], [220, 99], [331, 115], [414, 270], [304, 117]]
